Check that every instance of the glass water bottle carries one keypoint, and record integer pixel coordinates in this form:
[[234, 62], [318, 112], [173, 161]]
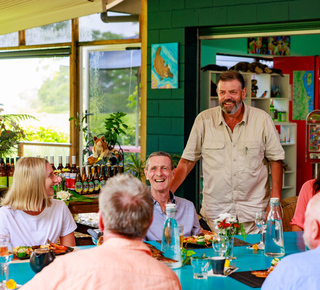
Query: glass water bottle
[[274, 245], [170, 245]]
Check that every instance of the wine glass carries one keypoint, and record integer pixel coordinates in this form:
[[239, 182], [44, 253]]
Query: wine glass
[[6, 256], [261, 223], [220, 244]]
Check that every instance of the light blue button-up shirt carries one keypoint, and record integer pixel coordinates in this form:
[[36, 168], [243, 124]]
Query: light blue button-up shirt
[[185, 215]]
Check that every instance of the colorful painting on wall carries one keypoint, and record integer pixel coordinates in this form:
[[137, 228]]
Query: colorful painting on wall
[[273, 45], [164, 66], [302, 103]]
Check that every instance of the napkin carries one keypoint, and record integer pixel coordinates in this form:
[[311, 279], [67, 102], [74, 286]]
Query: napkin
[[248, 279]]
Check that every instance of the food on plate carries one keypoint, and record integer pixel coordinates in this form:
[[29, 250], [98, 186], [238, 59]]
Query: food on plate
[[265, 273], [24, 252], [157, 254], [205, 239], [260, 274]]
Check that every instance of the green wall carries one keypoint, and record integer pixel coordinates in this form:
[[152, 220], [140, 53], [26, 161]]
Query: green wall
[[170, 113]]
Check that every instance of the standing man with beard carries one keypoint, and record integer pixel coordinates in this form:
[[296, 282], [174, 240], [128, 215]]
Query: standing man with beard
[[237, 144]]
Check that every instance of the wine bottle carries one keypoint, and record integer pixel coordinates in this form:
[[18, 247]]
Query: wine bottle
[[120, 169], [90, 180], [12, 163], [7, 164], [3, 175], [84, 177], [52, 162], [96, 180], [67, 172], [60, 167], [10, 170], [73, 173], [102, 177], [108, 171], [78, 182]]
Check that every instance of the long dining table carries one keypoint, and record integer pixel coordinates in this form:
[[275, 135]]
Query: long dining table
[[246, 260]]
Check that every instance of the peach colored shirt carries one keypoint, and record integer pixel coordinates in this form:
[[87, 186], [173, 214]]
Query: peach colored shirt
[[117, 264], [305, 194]]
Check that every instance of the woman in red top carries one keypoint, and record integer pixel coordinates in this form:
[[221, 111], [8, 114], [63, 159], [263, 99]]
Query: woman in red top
[[308, 190]]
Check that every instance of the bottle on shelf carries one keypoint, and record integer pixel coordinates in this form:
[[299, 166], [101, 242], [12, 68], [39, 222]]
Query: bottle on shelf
[[10, 171], [96, 180], [274, 246], [110, 171], [3, 175], [12, 163], [60, 167], [113, 170], [73, 173], [120, 169], [84, 177], [52, 162], [272, 110], [170, 245], [102, 178], [7, 163], [78, 182], [108, 174], [90, 181], [46, 157], [67, 172]]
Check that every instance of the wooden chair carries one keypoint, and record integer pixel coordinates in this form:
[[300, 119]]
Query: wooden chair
[[288, 206]]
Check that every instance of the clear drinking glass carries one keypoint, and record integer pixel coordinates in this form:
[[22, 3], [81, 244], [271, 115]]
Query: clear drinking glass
[[261, 223], [220, 244], [6, 256]]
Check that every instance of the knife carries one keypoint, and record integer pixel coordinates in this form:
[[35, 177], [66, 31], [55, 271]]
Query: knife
[[95, 234]]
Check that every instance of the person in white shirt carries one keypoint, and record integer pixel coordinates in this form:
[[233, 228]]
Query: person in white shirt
[[29, 215]]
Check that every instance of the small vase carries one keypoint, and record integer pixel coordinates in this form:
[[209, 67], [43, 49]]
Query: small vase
[[229, 253]]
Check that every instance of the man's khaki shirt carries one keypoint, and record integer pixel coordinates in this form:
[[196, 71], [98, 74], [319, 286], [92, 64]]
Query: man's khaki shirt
[[235, 164]]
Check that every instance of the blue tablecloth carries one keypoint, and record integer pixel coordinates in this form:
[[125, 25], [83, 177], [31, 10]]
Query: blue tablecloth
[[246, 261]]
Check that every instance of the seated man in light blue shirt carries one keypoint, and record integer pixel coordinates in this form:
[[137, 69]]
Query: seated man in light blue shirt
[[301, 270], [159, 171]]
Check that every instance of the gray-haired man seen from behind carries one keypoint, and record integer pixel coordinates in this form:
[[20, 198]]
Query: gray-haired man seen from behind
[[123, 260]]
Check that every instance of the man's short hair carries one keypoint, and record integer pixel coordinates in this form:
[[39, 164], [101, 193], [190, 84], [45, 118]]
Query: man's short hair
[[231, 75], [160, 153], [126, 206]]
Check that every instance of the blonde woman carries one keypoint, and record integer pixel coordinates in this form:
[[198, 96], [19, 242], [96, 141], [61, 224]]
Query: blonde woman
[[29, 214]]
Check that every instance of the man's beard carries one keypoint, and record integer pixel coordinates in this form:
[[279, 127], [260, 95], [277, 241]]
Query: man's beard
[[236, 106]]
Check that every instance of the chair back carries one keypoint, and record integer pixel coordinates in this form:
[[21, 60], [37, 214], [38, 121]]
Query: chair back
[[288, 206]]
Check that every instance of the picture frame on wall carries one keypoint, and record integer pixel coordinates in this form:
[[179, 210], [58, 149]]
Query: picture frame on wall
[[164, 66]]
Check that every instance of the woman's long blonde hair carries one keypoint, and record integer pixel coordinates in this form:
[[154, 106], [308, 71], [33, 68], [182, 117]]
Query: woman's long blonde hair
[[28, 187]]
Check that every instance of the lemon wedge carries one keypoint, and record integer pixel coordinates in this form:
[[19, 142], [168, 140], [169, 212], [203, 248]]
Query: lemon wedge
[[227, 264]]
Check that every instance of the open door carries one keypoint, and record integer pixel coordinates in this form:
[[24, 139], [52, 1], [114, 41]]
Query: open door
[[290, 65]]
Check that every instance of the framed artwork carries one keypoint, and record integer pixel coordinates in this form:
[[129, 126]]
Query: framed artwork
[[273, 45], [164, 66]]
